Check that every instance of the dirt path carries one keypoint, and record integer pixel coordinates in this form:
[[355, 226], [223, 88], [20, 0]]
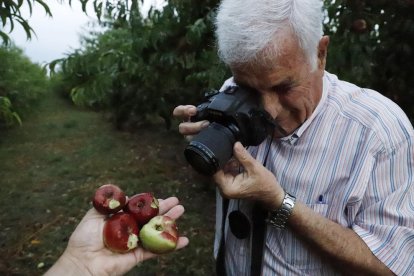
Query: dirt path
[[51, 165]]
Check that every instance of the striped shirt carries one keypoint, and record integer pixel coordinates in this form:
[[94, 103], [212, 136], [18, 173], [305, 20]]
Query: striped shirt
[[352, 161]]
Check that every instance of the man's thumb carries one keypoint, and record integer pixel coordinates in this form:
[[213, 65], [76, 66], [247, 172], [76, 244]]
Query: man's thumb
[[244, 157]]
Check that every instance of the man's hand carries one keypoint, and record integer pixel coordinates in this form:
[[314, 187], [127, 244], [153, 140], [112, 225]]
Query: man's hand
[[86, 253], [253, 182], [188, 128]]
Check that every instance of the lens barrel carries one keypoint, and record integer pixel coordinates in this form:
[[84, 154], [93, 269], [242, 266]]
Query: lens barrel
[[210, 149]]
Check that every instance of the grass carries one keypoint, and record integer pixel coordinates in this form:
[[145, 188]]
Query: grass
[[50, 167]]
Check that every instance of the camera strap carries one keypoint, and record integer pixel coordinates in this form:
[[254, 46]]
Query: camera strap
[[259, 215], [258, 236], [220, 262]]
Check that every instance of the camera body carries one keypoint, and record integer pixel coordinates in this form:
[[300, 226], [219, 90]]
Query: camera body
[[235, 114]]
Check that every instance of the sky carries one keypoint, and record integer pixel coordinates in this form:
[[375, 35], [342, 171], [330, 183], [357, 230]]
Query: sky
[[59, 34]]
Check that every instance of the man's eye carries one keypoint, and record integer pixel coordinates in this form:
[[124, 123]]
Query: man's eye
[[281, 89]]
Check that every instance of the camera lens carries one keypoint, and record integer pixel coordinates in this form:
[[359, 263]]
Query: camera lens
[[210, 150]]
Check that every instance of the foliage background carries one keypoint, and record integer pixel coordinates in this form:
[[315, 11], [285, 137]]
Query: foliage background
[[22, 84], [143, 65], [135, 72], [168, 57], [372, 44]]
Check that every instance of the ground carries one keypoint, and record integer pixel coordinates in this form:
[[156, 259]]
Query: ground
[[51, 165]]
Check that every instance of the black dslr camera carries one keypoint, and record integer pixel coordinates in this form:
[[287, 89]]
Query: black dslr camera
[[235, 115]]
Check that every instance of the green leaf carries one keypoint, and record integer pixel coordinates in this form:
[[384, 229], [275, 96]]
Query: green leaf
[[7, 115], [84, 2], [53, 64], [16, 118], [98, 8], [5, 38], [26, 27], [45, 7]]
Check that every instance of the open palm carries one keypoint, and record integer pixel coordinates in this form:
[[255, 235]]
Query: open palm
[[86, 245]]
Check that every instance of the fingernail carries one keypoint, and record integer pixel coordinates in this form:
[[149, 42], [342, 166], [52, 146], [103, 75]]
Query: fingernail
[[238, 146], [192, 111], [205, 123]]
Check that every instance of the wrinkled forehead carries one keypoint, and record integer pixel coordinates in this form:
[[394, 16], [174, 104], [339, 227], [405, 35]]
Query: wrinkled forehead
[[289, 66]]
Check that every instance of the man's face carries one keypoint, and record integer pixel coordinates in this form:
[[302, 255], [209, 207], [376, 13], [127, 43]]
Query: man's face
[[289, 90]]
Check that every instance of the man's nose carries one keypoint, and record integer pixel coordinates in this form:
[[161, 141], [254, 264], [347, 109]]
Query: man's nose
[[270, 102]]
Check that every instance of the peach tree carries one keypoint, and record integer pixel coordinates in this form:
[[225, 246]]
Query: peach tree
[[372, 45], [144, 65]]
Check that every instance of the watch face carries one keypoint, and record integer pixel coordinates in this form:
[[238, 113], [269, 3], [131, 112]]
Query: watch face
[[239, 225]]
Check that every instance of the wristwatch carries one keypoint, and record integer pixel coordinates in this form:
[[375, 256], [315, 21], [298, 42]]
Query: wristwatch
[[279, 217]]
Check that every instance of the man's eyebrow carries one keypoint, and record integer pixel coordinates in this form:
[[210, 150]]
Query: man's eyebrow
[[285, 83]]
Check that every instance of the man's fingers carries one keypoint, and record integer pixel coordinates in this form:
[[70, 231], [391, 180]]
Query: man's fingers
[[192, 128], [175, 212], [244, 157], [233, 167], [188, 128], [167, 204], [182, 242], [184, 111], [218, 176]]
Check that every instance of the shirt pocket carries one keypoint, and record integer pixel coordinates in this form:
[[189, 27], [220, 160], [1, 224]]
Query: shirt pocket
[[296, 252]]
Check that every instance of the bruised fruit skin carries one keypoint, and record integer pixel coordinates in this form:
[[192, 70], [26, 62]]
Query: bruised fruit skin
[[159, 235], [143, 207], [120, 233], [109, 199]]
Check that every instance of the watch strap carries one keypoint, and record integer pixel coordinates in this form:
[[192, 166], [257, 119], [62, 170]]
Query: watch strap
[[278, 218]]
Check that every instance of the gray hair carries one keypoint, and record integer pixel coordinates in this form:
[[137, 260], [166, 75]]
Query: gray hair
[[245, 29]]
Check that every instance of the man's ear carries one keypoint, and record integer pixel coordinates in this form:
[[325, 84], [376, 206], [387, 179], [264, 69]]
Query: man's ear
[[322, 52]]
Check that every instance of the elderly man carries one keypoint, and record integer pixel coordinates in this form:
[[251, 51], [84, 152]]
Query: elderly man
[[338, 186]]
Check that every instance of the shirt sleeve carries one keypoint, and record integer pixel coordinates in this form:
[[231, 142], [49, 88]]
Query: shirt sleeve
[[385, 220]]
